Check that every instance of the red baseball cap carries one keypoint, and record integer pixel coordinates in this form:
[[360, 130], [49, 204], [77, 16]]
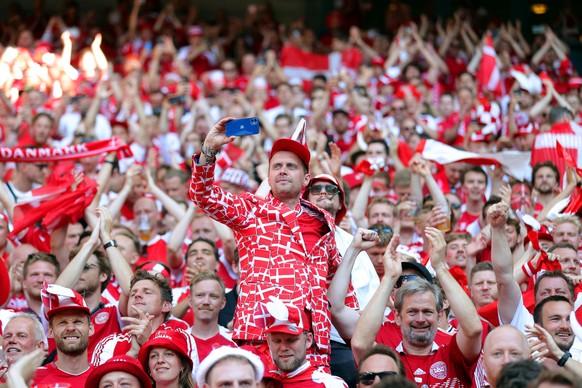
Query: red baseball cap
[[122, 363], [278, 317], [298, 147]]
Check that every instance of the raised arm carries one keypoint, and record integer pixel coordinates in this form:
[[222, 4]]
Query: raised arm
[[509, 293], [371, 319], [74, 269], [344, 318], [470, 328]]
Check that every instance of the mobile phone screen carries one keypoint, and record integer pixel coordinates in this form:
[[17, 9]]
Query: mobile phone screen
[[243, 127]]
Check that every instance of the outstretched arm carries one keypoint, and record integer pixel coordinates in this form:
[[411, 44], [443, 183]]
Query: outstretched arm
[[371, 319]]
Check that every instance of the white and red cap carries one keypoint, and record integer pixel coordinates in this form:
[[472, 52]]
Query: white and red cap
[[195, 31], [278, 317], [157, 268], [57, 298], [235, 176], [328, 178], [575, 82], [527, 79], [176, 340], [223, 352]]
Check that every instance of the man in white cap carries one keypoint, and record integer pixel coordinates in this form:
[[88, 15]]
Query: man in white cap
[[70, 325], [226, 366], [286, 244], [288, 336]]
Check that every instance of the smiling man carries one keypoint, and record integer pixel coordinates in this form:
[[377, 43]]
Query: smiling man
[[70, 325], [553, 314], [23, 334]]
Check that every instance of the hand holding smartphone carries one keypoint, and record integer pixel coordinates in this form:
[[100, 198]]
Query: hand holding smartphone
[[243, 127]]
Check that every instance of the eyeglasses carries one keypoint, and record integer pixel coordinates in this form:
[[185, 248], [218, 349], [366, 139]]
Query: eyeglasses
[[383, 230], [41, 166], [329, 189], [367, 378], [455, 205], [88, 267], [406, 278]]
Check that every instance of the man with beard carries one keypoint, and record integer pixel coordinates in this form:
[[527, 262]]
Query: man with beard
[[70, 326], [89, 272], [22, 334], [416, 309], [553, 314], [325, 192], [546, 182], [288, 337]]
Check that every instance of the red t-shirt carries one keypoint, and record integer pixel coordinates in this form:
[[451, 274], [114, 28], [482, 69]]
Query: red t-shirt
[[205, 346], [106, 322], [312, 226], [467, 221], [444, 367], [391, 335], [50, 376]]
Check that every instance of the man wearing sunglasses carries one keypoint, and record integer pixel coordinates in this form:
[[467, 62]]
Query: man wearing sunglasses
[[377, 363], [416, 310], [325, 192]]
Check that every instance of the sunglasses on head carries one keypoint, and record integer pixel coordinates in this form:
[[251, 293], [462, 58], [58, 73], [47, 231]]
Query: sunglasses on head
[[367, 378], [406, 278], [329, 189]]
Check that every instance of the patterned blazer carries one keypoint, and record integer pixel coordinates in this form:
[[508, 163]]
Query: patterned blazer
[[273, 257]]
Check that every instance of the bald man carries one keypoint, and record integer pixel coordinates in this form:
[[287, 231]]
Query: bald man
[[503, 345]]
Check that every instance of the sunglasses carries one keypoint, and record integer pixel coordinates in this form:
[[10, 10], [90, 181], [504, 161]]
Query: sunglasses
[[329, 189], [383, 230], [405, 278], [456, 206], [367, 378], [41, 166]]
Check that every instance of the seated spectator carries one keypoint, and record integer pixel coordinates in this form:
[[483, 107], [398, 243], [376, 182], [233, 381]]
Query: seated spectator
[[228, 366]]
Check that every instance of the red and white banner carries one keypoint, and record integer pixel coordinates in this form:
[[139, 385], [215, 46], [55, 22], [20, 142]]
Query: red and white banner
[[297, 63], [514, 163], [488, 75], [545, 149], [73, 152]]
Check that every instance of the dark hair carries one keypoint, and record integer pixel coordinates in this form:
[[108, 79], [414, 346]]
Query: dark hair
[[480, 267], [173, 172], [476, 169], [207, 241], [538, 310], [519, 374], [557, 377], [396, 382], [562, 245], [555, 274], [380, 141], [162, 283], [41, 115], [320, 77], [102, 262], [491, 201], [515, 223], [558, 114], [548, 164], [385, 351], [41, 256]]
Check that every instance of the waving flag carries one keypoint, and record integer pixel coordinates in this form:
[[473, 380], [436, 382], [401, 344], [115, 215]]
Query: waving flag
[[545, 148], [297, 63], [488, 75]]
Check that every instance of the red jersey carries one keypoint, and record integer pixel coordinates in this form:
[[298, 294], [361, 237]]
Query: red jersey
[[391, 335], [468, 223], [445, 366], [205, 346], [106, 322], [50, 376]]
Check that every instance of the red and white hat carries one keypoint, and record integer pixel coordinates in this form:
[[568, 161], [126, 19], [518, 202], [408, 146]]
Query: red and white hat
[[488, 116], [278, 317], [195, 31], [123, 363], [575, 82], [57, 299], [235, 176], [527, 79], [297, 144], [175, 340]]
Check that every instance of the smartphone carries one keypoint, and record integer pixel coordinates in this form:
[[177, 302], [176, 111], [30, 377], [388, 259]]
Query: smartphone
[[243, 127], [177, 100]]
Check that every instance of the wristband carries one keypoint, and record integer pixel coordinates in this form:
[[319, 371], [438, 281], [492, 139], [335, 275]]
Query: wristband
[[208, 152], [109, 244], [565, 357]]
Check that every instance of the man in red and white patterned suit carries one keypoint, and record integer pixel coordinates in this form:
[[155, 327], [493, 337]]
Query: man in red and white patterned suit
[[286, 244]]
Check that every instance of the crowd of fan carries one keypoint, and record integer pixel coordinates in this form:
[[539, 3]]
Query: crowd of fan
[[437, 272]]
